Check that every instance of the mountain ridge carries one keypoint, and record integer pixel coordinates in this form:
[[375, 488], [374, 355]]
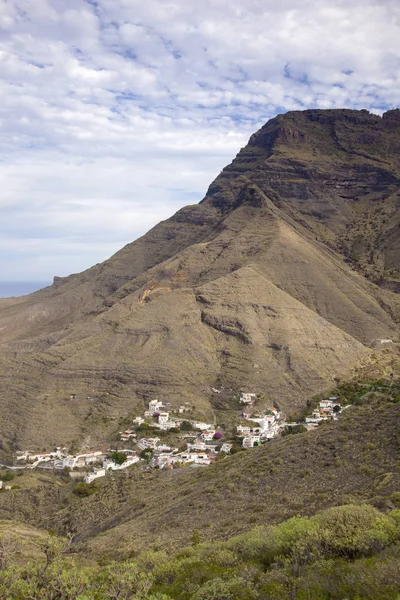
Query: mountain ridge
[[184, 307]]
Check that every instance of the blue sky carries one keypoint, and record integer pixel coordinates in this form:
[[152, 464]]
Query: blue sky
[[115, 113]]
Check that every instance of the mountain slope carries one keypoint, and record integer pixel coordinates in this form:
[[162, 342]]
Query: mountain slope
[[354, 459], [266, 284]]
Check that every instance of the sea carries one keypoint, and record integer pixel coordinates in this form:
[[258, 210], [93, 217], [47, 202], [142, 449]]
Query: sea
[[8, 289]]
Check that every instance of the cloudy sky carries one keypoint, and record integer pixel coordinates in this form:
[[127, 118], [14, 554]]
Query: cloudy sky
[[115, 113]]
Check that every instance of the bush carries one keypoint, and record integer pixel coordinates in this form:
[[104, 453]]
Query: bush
[[7, 476], [118, 457], [186, 426], [146, 453], [83, 489], [293, 429]]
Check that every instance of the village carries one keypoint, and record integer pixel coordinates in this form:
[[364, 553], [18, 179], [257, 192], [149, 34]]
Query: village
[[200, 443]]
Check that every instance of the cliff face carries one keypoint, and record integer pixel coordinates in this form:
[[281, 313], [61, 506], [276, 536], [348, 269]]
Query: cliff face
[[278, 281], [339, 172]]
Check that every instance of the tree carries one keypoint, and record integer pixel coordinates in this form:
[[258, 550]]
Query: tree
[[293, 429], [147, 453], [118, 457], [186, 426], [83, 489]]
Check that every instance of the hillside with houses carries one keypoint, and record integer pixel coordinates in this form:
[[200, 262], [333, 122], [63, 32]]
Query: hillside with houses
[[170, 439]]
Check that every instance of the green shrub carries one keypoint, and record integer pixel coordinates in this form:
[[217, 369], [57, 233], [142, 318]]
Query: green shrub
[[118, 457], [83, 489]]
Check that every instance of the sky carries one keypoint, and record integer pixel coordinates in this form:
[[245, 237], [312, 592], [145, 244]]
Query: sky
[[116, 113]]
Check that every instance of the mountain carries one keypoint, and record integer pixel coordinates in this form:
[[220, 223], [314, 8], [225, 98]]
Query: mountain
[[282, 278]]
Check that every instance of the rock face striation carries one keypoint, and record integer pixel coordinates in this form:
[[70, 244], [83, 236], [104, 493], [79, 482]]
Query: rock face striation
[[281, 279]]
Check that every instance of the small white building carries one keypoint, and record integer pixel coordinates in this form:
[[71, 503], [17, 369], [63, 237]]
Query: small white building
[[207, 435], [164, 449], [251, 440], [243, 430], [246, 398], [128, 434], [326, 404], [163, 418], [148, 443], [226, 447], [202, 426], [110, 465], [155, 405]]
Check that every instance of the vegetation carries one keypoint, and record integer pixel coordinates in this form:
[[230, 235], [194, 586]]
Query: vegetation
[[349, 551], [83, 489], [293, 429], [186, 426], [118, 457], [147, 453]]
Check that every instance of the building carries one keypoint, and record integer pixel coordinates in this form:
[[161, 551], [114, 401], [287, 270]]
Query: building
[[226, 447], [163, 418], [207, 435], [155, 406], [148, 443], [110, 465], [94, 475], [243, 430], [202, 426], [247, 398], [126, 435], [251, 440]]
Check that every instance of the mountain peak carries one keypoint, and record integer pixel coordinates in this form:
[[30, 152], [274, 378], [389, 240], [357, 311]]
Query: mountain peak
[[269, 284]]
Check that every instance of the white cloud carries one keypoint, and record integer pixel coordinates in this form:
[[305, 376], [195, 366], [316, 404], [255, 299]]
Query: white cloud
[[114, 113]]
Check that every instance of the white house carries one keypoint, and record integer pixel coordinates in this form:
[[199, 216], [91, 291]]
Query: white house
[[126, 435], [250, 440], [269, 434], [111, 465], [148, 443], [163, 418], [155, 405], [197, 447], [207, 435], [202, 426], [226, 447], [247, 398], [243, 429], [166, 449]]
